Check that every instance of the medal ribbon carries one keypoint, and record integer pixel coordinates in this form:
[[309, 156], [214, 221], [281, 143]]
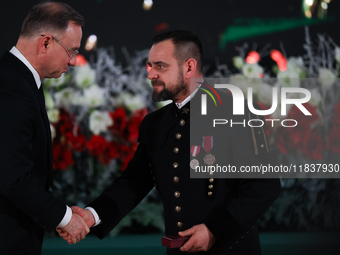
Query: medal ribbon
[[208, 143], [195, 150]]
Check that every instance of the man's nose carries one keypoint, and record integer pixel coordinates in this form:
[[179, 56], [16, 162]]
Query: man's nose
[[152, 75], [73, 61]]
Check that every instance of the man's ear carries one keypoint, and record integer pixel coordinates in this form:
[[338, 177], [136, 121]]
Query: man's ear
[[44, 43], [190, 68]]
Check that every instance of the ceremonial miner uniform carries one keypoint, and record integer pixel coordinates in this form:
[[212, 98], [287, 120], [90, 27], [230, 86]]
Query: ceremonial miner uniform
[[228, 207]]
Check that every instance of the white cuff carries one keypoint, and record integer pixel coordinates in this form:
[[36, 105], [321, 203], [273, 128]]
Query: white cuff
[[66, 219], [95, 215]]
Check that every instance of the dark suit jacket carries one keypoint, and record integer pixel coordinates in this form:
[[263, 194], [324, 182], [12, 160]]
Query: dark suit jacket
[[230, 208], [27, 208]]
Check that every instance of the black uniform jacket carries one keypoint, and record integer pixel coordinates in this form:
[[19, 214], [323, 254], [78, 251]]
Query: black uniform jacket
[[230, 208], [27, 208]]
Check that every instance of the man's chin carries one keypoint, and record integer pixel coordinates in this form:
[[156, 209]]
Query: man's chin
[[158, 97]]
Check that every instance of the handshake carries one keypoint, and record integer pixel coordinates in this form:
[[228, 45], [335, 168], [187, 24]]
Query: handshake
[[78, 227]]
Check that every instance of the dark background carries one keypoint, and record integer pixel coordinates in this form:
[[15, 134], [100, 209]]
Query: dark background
[[126, 24]]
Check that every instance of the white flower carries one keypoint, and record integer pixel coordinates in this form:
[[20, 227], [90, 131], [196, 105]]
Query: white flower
[[130, 101], [85, 76], [55, 82], [99, 121], [326, 77], [49, 102], [315, 97], [264, 93], [53, 132], [93, 96], [238, 62], [240, 81], [76, 98], [64, 97], [289, 78], [295, 64], [53, 115], [337, 54], [252, 70]]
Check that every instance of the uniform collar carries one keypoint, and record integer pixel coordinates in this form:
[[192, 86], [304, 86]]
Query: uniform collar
[[180, 105]]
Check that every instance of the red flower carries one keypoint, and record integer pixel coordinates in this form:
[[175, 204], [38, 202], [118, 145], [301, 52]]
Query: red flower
[[337, 109], [62, 157], [96, 145], [304, 121], [298, 137], [105, 158], [112, 151], [119, 122], [65, 123], [282, 140], [333, 141], [80, 60], [313, 146], [77, 143], [127, 154], [134, 123], [336, 117]]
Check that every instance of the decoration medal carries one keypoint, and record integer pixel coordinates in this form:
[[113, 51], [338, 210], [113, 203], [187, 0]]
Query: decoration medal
[[194, 152], [208, 144]]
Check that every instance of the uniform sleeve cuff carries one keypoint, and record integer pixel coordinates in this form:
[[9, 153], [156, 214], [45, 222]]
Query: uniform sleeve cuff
[[66, 219], [95, 215]]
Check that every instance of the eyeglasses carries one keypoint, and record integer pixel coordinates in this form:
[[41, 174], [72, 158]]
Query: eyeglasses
[[71, 53]]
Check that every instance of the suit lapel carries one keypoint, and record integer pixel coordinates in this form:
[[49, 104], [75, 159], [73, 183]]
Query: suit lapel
[[39, 96]]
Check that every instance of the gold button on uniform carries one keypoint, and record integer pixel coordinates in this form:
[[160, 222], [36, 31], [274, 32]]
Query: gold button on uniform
[[211, 186], [182, 122], [211, 180], [178, 208], [179, 224], [176, 179], [178, 136], [175, 165], [210, 193], [176, 149], [177, 194]]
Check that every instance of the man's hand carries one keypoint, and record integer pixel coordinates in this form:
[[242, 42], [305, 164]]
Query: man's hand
[[201, 239], [85, 214], [75, 230], [87, 217]]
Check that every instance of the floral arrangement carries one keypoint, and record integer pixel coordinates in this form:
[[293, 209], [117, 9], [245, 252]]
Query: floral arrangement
[[304, 204]]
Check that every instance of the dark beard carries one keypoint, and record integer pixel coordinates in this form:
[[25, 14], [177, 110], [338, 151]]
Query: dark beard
[[167, 93]]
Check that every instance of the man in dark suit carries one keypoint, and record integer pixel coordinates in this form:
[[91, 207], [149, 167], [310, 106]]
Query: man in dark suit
[[48, 43], [219, 215]]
